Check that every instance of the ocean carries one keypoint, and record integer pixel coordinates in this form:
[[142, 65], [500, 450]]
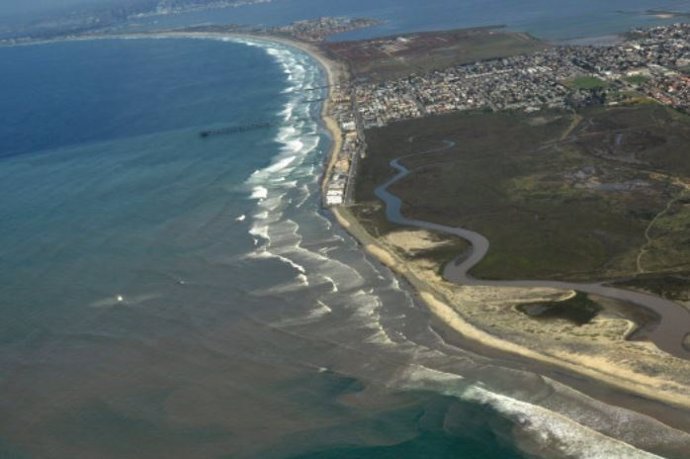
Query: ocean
[[558, 21], [169, 295]]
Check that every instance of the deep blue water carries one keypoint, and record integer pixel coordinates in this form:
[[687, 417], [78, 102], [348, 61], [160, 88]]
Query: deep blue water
[[164, 295], [101, 100], [132, 298], [102, 162]]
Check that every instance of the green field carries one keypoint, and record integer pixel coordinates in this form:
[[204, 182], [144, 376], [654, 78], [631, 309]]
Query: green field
[[556, 198], [587, 82], [637, 79]]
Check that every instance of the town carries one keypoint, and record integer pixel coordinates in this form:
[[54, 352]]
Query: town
[[316, 30], [340, 180], [649, 65]]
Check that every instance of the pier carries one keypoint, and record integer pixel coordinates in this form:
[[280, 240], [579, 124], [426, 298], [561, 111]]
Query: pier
[[234, 129]]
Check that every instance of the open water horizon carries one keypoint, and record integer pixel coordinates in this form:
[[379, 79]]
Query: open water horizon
[[564, 20]]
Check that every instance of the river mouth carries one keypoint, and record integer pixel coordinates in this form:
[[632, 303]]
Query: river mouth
[[669, 334]]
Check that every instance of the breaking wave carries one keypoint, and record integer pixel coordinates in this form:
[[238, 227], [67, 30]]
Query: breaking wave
[[335, 281]]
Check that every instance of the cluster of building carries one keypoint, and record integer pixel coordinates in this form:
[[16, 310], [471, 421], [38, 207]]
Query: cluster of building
[[169, 7], [339, 184], [650, 61], [318, 29]]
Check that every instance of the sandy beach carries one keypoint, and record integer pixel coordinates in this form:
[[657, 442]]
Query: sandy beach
[[336, 72], [611, 381], [434, 293], [440, 297]]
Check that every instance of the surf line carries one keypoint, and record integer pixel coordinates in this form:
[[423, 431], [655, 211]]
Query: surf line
[[674, 320]]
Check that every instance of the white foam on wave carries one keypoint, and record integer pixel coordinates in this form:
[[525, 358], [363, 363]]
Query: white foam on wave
[[326, 250], [280, 165], [273, 203], [306, 194], [287, 116], [288, 131], [259, 192], [265, 254], [287, 178], [280, 289], [326, 222], [615, 421], [260, 231], [552, 430], [334, 285], [288, 184], [366, 307], [323, 308], [558, 431], [287, 241], [294, 151], [319, 311], [294, 145]]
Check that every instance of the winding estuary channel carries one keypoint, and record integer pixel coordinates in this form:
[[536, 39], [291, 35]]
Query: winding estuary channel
[[668, 334]]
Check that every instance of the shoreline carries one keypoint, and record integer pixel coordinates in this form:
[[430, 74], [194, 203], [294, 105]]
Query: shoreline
[[617, 388], [431, 296], [333, 71], [439, 305]]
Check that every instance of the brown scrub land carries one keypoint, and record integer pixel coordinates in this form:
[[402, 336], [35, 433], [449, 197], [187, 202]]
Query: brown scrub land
[[594, 196], [597, 195], [392, 57]]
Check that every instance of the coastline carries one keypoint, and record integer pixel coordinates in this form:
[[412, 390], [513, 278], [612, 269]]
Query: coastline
[[600, 371], [609, 383], [430, 294], [335, 72]]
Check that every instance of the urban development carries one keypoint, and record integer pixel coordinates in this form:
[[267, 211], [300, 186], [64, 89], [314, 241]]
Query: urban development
[[649, 65]]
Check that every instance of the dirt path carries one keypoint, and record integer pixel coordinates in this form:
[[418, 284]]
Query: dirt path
[[648, 237]]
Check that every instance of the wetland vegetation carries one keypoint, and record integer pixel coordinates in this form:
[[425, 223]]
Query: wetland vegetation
[[601, 194]]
